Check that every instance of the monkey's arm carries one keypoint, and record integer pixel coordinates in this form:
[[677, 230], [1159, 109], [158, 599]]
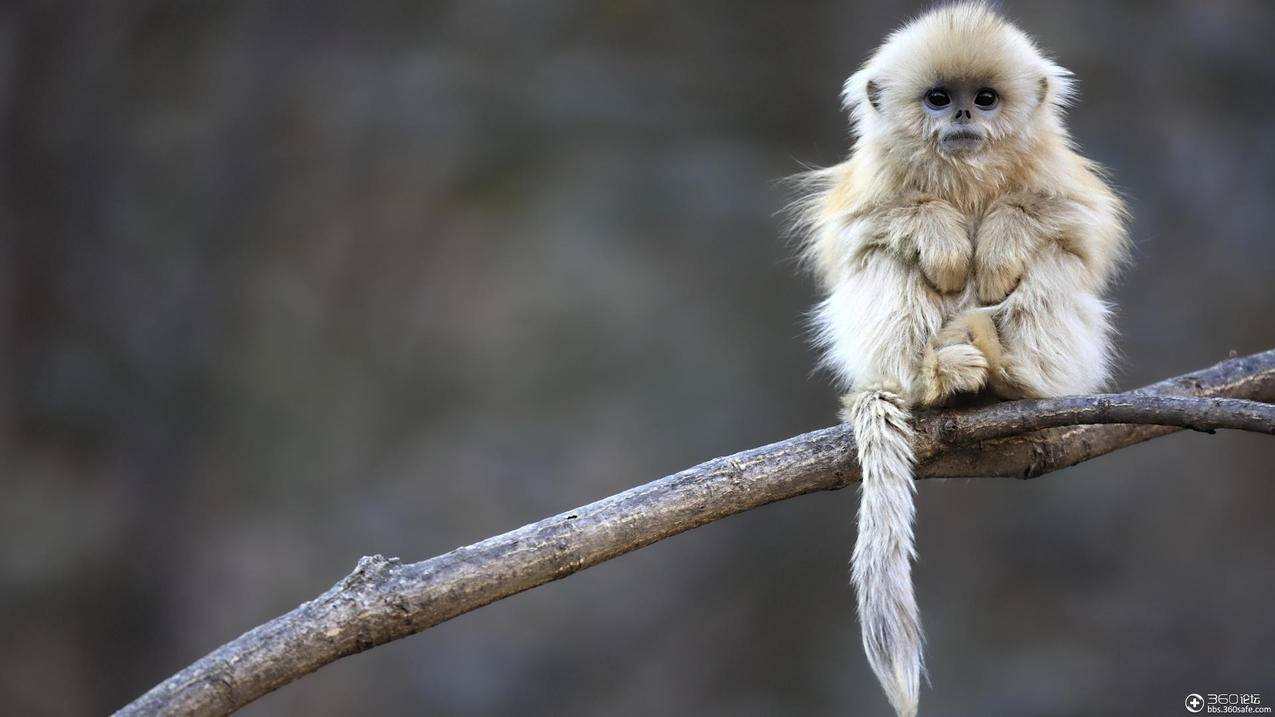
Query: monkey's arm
[[876, 323], [924, 231], [1052, 258], [1007, 237], [1054, 331], [880, 320]]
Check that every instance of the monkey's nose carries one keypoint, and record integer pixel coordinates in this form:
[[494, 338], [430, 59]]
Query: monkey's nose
[[962, 115]]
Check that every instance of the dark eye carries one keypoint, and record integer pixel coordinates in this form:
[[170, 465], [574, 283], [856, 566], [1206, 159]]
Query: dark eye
[[938, 97], [986, 98]]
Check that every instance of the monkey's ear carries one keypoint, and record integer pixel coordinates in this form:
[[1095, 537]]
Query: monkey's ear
[[874, 95], [1055, 86], [860, 90]]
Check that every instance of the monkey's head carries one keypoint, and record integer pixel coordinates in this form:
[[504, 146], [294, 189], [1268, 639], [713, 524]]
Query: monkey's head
[[959, 82]]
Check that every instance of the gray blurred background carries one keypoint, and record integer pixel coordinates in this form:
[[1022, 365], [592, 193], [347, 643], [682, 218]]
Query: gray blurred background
[[286, 283]]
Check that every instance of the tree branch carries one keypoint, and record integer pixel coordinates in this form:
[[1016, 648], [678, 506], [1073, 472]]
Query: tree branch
[[383, 600]]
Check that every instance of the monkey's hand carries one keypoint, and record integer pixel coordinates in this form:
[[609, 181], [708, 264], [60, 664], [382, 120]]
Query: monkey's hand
[[965, 356], [1009, 235], [934, 235]]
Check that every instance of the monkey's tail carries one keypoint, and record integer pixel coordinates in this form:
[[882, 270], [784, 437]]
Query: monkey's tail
[[881, 568]]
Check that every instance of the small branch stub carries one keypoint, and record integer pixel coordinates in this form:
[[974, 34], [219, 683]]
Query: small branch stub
[[371, 570]]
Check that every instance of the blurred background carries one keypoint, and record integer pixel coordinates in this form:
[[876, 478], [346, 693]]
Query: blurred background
[[286, 283]]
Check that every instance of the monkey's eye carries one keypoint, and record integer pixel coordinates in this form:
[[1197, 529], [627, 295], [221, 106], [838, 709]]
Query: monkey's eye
[[938, 97], [986, 98]]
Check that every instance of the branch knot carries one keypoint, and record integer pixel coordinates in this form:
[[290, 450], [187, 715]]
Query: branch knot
[[371, 570]]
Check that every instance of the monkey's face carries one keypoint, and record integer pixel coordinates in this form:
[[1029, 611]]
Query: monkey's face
[[961, 116], [959, 83]]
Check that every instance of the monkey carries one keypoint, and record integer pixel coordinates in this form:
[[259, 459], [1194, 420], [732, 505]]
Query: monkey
[[963, 249]]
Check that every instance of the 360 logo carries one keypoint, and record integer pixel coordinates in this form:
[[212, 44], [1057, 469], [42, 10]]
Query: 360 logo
[[1230, 703]]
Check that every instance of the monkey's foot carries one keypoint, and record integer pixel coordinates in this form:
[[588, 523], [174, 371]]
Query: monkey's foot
[[944, 253], [947, 273], [936, 235], [995, 284], [1007, 239], [947, 370], [974, 327]]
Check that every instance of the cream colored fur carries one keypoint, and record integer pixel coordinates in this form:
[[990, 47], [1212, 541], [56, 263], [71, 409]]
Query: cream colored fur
[[949, 273]]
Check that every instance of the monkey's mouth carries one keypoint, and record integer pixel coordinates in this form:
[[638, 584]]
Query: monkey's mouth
[[961, 140]]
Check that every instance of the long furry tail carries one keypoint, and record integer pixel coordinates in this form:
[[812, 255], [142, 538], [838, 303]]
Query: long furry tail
[[881, 568]]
